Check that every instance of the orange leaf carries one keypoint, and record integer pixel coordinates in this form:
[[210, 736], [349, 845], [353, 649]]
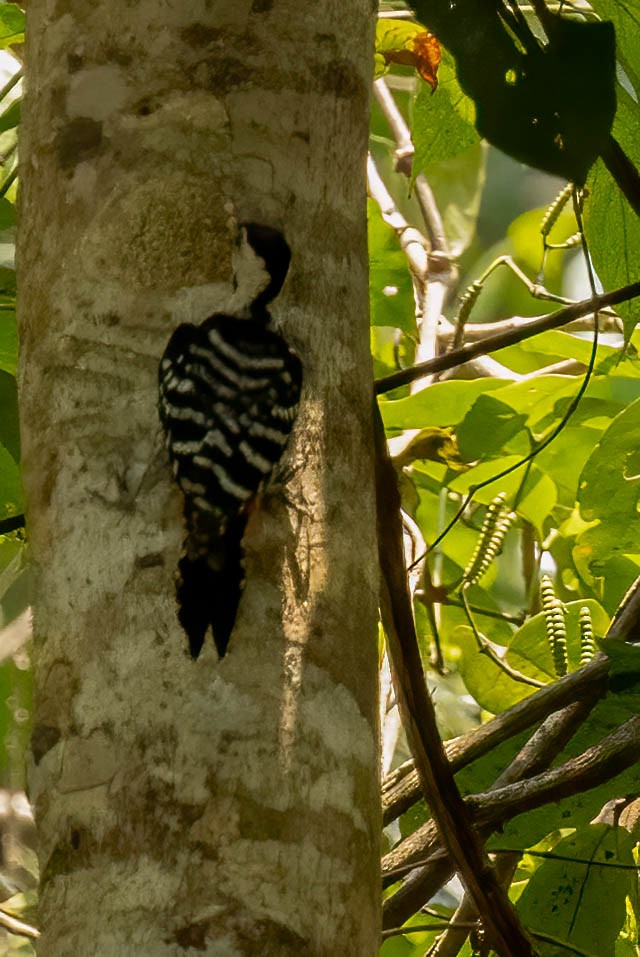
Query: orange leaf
[[423, 53], [427, 50]]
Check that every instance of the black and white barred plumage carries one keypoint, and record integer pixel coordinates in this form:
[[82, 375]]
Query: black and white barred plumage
[[229, 393]]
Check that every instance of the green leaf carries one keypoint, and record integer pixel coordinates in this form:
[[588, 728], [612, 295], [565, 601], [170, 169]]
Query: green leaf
[[491, 687], [580, 903], [611, 226], [11, 24], [11, 117], [8, 344], [609, 492], [458, 185], [443, 120], [443, 403], [7, 214], [10, 487], [563, 460], [543, 400], [487, 428], [530, 645], [626, 20]]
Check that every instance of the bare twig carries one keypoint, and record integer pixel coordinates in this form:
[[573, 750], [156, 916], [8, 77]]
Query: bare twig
[[609, 322], [421, 928], [489, 344], [404, 161], [16, 926], [547, 742], [614, 754], [589, 683], [443, 273], [411, 240]]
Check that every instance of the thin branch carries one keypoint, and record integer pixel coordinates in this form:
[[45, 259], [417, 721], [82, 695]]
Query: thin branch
[[543, 747], [451, 942], [11, 82], [599, 764], [588, 683], [609, 322], [404, 161], [412, 242], [16, 926], [423, 928], [510, 337]]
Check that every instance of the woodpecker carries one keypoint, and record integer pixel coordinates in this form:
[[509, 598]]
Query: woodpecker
[[229, 393]]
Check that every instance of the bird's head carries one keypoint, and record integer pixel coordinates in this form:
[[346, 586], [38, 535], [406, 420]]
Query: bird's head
[[269, 245]]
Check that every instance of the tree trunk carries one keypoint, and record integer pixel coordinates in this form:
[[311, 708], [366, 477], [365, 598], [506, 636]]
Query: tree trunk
[[228, 807]]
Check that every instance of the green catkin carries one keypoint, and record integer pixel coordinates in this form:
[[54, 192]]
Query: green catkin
[[552, 214], [587, 640], [553, 610], [467, 302], [496, 524], [570, 243]]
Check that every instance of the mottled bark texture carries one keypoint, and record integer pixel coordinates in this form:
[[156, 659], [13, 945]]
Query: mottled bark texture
[[230, 807]]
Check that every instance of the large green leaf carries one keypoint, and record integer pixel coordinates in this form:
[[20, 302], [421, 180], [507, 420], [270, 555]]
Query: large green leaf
[[11, 24], [490, 686], [443, 120], [11, 117], [579, 896], [10, 487], [609, 492], [530, 645], [625, 17], [487, 428], [543, 399], [443, 403], [611, 226], [8, 345]]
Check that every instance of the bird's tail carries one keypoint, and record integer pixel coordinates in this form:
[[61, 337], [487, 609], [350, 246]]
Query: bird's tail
[[209, 587]]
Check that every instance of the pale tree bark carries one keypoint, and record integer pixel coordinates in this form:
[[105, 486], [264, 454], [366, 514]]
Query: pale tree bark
[[224, 807]]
